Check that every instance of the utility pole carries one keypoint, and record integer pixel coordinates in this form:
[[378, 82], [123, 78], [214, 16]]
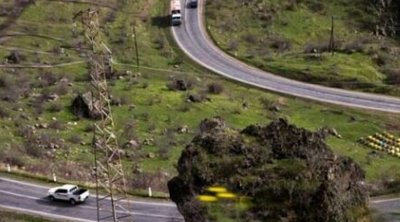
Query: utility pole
[[108, 169], [332, 38], [136, 46]]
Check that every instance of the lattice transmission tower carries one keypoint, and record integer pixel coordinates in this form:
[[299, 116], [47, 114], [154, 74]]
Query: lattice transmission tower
[[108, 169]]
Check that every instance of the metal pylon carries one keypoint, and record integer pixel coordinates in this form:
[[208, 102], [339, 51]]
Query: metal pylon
[[108, 169]]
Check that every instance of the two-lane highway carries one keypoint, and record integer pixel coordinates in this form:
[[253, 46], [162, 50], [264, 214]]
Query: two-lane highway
[[194, 41], [30, 198]]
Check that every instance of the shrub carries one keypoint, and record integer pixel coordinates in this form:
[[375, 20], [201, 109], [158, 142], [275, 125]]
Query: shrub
[[392, 76], [47, 79], [10, 95], [5, 81], [165, 144], [316, 48], [315, 5], [159, 42], [179, 85], [215, 88], [232, 45], [55, 107], [4, 112], [352, 47], [382, 59], [88, 128], [280, 44], [61, 89], [57, 125], [75, 139], [250, 38]]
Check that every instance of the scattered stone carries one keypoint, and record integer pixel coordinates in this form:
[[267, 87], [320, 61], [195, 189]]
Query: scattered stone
[[183, 129], [52, 97], [196, 98], [148, 142], [25, 116], [327, 131], [132, 144], [41, 126], [64, 80], [275, 108], [132, 106], [151, 155]]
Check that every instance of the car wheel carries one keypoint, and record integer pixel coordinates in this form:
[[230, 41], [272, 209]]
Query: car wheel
[[51, 198], [72, 201]]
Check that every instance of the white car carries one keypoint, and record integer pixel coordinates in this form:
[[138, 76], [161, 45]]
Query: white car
[[70, 193]]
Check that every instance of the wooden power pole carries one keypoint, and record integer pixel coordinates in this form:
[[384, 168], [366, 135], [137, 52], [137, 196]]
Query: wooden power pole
[[332, 38]]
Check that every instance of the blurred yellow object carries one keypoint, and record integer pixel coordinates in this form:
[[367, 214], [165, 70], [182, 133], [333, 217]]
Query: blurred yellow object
[[217, 189], [206, 198], [226, 195]]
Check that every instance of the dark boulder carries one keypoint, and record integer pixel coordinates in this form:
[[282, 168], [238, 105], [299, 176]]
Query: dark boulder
[[83, 106], [14, 58]]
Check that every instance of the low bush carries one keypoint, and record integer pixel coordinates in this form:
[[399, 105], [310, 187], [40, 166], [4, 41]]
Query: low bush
[[215, 88]]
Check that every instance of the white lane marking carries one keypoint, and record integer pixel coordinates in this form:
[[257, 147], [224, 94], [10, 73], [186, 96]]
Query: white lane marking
[[386, 200], [49, 215], [23, 183], [94, 208], [131, 201], [19, 195]]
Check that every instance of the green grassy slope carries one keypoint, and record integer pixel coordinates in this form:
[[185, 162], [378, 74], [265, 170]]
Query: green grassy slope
[[291, 38]]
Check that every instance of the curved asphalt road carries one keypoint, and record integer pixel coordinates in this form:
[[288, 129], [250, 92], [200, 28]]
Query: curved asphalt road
[[193, 40], [31, 199]]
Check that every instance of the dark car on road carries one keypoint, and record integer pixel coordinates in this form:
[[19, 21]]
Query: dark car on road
[[192, 4]]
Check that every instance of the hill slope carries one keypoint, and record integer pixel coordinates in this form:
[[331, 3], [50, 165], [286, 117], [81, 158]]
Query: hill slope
[[291, 38]]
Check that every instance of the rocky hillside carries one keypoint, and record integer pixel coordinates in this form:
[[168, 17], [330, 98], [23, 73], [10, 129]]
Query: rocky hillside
[[289, 174]]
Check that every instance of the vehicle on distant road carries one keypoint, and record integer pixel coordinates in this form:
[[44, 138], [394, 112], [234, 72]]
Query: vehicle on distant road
[[176, 17], [71, 193], [192, 4]]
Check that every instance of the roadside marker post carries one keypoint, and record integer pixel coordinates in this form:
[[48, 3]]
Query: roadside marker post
[[150, 193], [8, 168], [54, 177]]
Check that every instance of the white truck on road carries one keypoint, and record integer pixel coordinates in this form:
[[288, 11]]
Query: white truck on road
[[176, 16], [71, 193]]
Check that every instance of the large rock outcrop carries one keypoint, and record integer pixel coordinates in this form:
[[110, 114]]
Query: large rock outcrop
[[289, 173], [84, 106]]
